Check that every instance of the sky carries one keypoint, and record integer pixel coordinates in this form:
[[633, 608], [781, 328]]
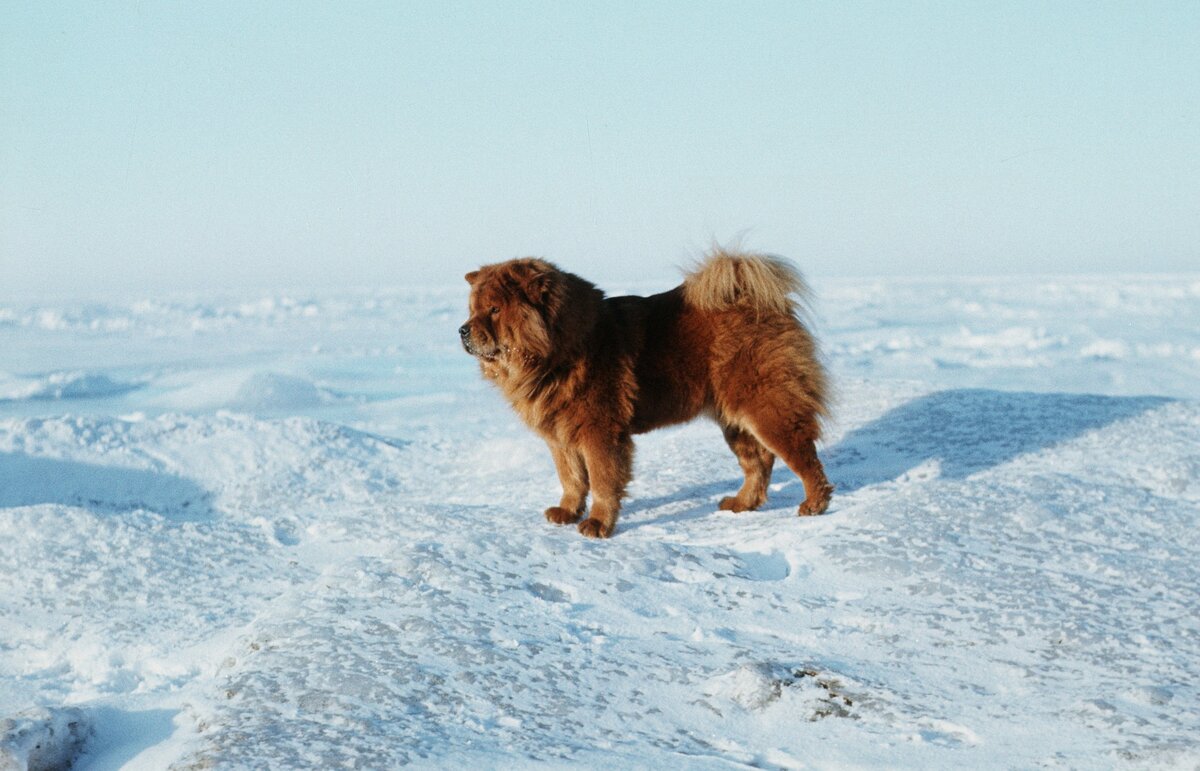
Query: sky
[[155, 146]]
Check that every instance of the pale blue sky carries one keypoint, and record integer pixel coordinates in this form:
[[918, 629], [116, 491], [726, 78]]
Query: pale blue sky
[[218, 145]]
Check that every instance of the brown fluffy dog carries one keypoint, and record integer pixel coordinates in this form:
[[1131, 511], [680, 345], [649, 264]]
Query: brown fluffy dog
[[588, 372]]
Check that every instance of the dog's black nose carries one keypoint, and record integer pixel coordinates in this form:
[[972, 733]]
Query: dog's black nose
[[464, 330]]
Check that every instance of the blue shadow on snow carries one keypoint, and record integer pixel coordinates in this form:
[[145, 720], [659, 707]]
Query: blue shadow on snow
[[964, 430], [27, 480], [970, 430]]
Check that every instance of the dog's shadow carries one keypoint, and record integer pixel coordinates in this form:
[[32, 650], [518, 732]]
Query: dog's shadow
[[963, 431]]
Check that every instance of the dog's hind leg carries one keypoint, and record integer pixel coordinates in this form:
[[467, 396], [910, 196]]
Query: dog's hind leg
[[807, 465], [572, 473], [793, 440], [756, 462]]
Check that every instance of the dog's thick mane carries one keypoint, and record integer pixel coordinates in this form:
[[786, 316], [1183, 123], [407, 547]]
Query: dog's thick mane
[[558, 312], [572, 308]]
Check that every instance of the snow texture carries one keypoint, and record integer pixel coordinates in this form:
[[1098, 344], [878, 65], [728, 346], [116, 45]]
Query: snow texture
[[298, 531], [42, 739]]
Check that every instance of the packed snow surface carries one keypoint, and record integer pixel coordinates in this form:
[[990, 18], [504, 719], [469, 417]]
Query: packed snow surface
[[298, 531]]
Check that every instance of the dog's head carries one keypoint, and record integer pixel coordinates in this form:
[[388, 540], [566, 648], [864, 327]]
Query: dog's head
[[512, 306], [527, 314]]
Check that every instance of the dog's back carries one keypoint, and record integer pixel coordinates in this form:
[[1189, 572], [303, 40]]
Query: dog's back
[[732, 328]]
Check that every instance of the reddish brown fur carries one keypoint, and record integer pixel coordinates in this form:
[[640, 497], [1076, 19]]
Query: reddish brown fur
[[588, 372]]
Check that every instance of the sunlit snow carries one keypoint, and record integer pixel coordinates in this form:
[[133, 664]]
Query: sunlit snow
[[297, 530]]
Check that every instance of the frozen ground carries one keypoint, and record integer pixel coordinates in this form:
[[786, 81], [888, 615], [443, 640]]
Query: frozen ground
[[297, 530]]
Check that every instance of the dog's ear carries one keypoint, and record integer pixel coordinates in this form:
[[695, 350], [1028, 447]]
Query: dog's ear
[[472, 277], [537, 285], [531, 278]]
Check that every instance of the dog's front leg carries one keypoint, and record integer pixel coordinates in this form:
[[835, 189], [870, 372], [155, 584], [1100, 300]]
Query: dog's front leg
[[573, 474], [609, 462]]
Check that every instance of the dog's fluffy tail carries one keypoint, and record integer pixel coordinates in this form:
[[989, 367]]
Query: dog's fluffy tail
[[761, 282]]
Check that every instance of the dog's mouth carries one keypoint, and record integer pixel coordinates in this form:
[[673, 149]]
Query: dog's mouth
[[488, 355]]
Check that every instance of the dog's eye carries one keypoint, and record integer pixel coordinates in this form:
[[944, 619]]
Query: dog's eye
[[494, 310]]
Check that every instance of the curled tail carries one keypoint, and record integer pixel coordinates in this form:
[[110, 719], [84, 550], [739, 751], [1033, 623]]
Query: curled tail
[[763, 283]]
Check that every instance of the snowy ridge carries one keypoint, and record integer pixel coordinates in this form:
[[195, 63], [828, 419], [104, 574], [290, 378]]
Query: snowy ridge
[[1005, 578], [62, 385]]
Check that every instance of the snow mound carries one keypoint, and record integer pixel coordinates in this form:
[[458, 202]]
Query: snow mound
[[273, 391], [265, 393], [801, 691], [42, 739]]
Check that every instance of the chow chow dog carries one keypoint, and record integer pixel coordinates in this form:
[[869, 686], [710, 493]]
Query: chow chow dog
[[587, 372]]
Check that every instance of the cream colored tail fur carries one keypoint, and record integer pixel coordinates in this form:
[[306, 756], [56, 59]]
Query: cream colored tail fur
[[766, 283]]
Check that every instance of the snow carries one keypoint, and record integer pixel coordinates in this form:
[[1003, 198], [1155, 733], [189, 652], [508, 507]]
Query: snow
[[42, 739], [298, 530], [61, 385]]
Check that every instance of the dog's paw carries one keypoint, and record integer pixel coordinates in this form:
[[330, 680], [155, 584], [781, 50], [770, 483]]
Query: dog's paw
[[816, 503], [594, 528], [560, 516], [734, 504]]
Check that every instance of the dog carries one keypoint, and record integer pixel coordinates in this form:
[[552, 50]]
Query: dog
[[588, 372]]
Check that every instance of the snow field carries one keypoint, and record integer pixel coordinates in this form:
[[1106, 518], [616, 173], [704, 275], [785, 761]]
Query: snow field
[[1006, 577]]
